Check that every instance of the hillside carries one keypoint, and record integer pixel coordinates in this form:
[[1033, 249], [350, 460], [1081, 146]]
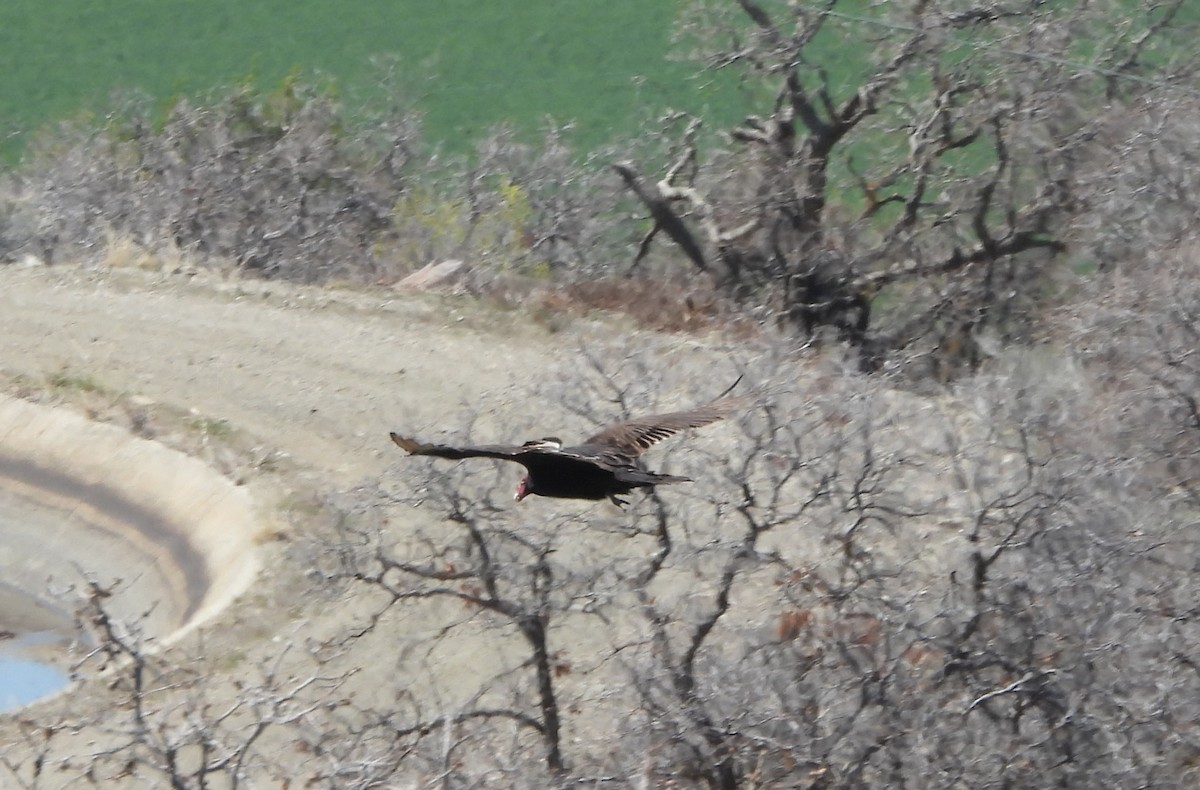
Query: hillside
[[959, 544], [949, 538]]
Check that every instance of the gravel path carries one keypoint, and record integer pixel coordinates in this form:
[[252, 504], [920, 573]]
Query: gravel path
[[321, 375]]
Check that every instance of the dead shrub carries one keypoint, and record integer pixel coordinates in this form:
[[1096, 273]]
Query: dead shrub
[[652, 304]]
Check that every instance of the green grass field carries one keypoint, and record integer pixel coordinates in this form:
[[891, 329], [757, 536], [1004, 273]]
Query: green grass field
[[468, 64]]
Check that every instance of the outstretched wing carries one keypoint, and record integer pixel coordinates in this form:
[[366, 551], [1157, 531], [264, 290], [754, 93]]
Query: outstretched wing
[[633, 437], [500, 451]]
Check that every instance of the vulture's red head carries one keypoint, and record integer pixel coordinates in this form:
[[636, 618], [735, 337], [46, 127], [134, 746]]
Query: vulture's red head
[[524, 488]]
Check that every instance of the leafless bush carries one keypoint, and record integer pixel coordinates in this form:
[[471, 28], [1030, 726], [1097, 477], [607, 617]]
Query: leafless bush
[[863, 588], [1144, 200], [1137, 325], [286, 185], [272, 183], [913, 196], [662, 305], [153, 719], [1138, 332], [559, 209]]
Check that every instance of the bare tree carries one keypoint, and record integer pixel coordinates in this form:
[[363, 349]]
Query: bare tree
[[864, 587], [912, 179], [867, 588], [154, 720], [491, 570]]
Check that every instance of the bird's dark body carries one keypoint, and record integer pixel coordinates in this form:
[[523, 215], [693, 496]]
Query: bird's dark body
[[604, 467], [569, 477]]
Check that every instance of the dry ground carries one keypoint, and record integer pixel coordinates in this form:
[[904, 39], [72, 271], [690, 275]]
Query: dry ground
[[288, 390], [319, 375], [291, 391]]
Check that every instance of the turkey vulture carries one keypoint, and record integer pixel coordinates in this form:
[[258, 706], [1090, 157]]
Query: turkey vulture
[[605, 465]]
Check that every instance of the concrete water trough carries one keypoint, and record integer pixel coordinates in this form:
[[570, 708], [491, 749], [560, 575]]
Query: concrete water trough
[[81, 500]]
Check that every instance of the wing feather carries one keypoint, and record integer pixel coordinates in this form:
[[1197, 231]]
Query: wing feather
[[503, 452], [615, 448], [635, 436]]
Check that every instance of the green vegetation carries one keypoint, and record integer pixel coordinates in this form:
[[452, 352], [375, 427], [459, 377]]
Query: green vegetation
[[65, 379], [213, 427], [467, 65]]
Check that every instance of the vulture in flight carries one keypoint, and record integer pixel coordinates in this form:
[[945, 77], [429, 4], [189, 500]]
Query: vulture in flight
[[605, 465]]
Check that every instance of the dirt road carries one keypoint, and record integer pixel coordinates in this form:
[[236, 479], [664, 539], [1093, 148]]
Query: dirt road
[[312, 377], [320, 375]]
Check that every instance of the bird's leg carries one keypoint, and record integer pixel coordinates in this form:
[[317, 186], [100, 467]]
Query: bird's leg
[[616, 500]]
